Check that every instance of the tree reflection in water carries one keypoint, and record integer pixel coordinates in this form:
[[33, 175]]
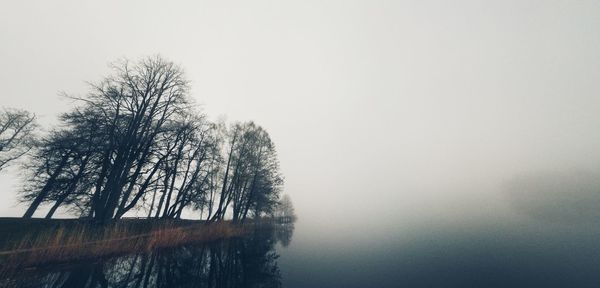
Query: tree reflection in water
[[250, 261]]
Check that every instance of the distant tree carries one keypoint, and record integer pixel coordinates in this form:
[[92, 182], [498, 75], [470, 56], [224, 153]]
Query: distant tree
[[285, 208], [16, 134]]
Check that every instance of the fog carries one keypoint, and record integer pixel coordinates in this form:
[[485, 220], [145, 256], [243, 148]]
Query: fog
[[386, 114]]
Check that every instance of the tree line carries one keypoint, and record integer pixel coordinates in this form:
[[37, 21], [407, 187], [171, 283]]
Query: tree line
[[136, 142]]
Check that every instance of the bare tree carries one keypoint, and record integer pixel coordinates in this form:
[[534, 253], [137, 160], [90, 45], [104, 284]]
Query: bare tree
[[16, 134], [137, 102], [128, 113], [285, 209], [251, 181], [63, 164], [136, 143], [186, 167]]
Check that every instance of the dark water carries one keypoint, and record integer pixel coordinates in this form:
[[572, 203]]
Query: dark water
[[484, 254], [487, 254], [244, 262]]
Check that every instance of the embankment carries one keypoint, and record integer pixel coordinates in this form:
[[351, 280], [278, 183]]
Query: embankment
[[30, 242]]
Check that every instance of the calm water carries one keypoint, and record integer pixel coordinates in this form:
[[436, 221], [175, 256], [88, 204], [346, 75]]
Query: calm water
[[247, 262], [489, 254], [485, 254]]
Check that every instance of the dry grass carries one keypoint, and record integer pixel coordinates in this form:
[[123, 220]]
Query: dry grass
[[81, 240]]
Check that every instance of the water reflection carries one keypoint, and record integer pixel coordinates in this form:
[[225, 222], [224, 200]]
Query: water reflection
[[242, 262]]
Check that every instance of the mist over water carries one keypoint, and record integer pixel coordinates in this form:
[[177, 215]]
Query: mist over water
[[544, 236], [382, 113], [423, 143]]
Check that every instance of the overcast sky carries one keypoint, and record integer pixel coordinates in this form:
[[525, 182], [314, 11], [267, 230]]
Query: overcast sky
[[386, 109]]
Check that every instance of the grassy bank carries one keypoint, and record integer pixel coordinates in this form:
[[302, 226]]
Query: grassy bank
[[30, 242]]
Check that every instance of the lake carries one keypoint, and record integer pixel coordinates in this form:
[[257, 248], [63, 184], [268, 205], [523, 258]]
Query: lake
[[481, 254], [490, 253]]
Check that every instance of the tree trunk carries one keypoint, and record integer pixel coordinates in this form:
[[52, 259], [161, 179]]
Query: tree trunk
[[40, 197], [56, 205]]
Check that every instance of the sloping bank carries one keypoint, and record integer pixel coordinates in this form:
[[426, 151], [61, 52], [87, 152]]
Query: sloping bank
[[31, 242]]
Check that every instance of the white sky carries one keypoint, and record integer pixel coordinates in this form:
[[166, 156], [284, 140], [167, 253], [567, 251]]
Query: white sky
[[385, 109]]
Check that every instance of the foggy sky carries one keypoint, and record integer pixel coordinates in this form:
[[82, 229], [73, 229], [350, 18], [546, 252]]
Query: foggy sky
[[387, 110]]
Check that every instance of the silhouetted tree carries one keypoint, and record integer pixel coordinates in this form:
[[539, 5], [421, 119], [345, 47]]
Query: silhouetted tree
[[135, 142], [187, 171], [16, 134], [251, 181], [139, 100], [128, 113]]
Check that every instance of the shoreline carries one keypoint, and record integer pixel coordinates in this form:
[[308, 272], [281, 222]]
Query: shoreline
[[34, 242]]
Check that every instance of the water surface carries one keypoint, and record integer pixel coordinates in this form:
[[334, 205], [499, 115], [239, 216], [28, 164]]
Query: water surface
[[486, 253], [480, 254]]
